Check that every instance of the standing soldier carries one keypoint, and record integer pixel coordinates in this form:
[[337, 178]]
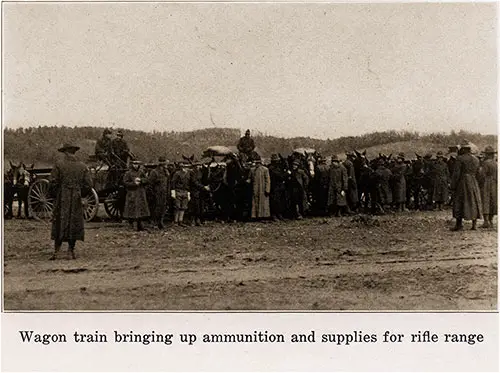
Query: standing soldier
[[198, 186], [382, 184], [103, 149], [261, 189], [159, 179], [180, 192], [120, 149], [489, 186], [352, 186], [277, 199], [441, 179], [298, 185], [338, 186], [399, 186], [136, 202], [322, 184], [69, 179], [467, 196]]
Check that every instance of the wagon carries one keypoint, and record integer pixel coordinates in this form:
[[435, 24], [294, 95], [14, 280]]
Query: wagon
[[107, 189]]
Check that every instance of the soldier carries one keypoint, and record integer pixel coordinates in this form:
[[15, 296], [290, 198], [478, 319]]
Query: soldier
[[69, 180], [322, 184], [180, 192], [159, 179], [246, 145], [338, 185], [467, 196], [298, 186], [399, 183], [489, 187], [352, 186], [382, 184], [261, 189], [120, 149], [198, 186], [441, 179], [136, 202], [103, 149], [428, 181], [279, 177]]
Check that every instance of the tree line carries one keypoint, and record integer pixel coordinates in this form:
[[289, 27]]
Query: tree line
[[39, 144]]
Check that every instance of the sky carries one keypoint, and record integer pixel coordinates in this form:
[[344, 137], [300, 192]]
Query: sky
[[317, 70]]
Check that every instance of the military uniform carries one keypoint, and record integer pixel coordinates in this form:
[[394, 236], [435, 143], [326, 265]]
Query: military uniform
[[121, 150], [337, 187], [69, 180], [441, 178], [103, 150], [159, 180], [136, 203], [277, 199]]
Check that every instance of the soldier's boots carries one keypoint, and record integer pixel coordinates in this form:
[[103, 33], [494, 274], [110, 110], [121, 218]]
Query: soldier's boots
[[459, 226]]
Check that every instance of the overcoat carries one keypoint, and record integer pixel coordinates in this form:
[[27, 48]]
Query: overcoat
[[136, 203], [261, 188], [338, 183], [467, 196], [382, 179], [277, 199], [441, 178], [159, 180], [399, 183], [352, 186], [69, 178], [489, 185]]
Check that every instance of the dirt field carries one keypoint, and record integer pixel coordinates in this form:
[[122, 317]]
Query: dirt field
[[406, 262]]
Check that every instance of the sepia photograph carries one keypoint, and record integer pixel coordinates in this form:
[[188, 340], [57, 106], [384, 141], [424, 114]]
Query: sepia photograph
[[249, 156]]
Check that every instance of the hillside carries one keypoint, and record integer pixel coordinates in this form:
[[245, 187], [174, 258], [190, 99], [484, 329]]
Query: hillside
[[39, 145]]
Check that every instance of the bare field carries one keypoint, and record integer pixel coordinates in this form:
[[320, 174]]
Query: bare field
[[394, 262]]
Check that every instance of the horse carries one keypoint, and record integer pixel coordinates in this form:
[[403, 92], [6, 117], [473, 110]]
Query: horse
[[18, 180]]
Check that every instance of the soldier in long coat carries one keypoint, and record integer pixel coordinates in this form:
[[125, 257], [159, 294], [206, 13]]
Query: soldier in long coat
[[136, 203], [383, 177], [198, 186], [399, 183], [337, 186], [299, 182], [489, 185], [69, 180], [322, 185], [261, 189], [467, 196], [352, 186], [159, 181], [279, 177], [441, 179]]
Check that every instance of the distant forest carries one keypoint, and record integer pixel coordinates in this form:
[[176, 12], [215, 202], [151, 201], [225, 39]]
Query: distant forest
[[39, 145]]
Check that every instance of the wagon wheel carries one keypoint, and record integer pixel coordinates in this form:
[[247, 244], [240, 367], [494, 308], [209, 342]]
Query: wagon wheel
[[90, 205], [40, 202], [112, 205]]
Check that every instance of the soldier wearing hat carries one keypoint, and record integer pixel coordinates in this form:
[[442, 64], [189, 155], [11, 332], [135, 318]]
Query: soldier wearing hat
[[246, 145], [321, 185], [488, 186], [180, 192], [467, 204], [120, 149], [70, 179], [383, 192], [103, 148], [352, 186], [337, 187], [136, 202], [279, 177], [299, 182], [399, 183], [159, 180], [440, 181]]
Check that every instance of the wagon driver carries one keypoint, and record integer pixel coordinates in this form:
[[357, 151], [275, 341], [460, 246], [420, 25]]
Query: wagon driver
[[70, 179], [246, 146]]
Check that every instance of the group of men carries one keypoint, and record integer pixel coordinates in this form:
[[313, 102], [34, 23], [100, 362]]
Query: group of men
[[112, 151], [273, 188]]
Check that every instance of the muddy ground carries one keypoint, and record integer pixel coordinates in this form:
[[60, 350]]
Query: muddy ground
[[394, 262]]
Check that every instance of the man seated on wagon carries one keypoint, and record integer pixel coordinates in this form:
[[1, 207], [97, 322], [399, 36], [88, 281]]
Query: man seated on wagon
[[121, 150], [103, 149], [246, 146]]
